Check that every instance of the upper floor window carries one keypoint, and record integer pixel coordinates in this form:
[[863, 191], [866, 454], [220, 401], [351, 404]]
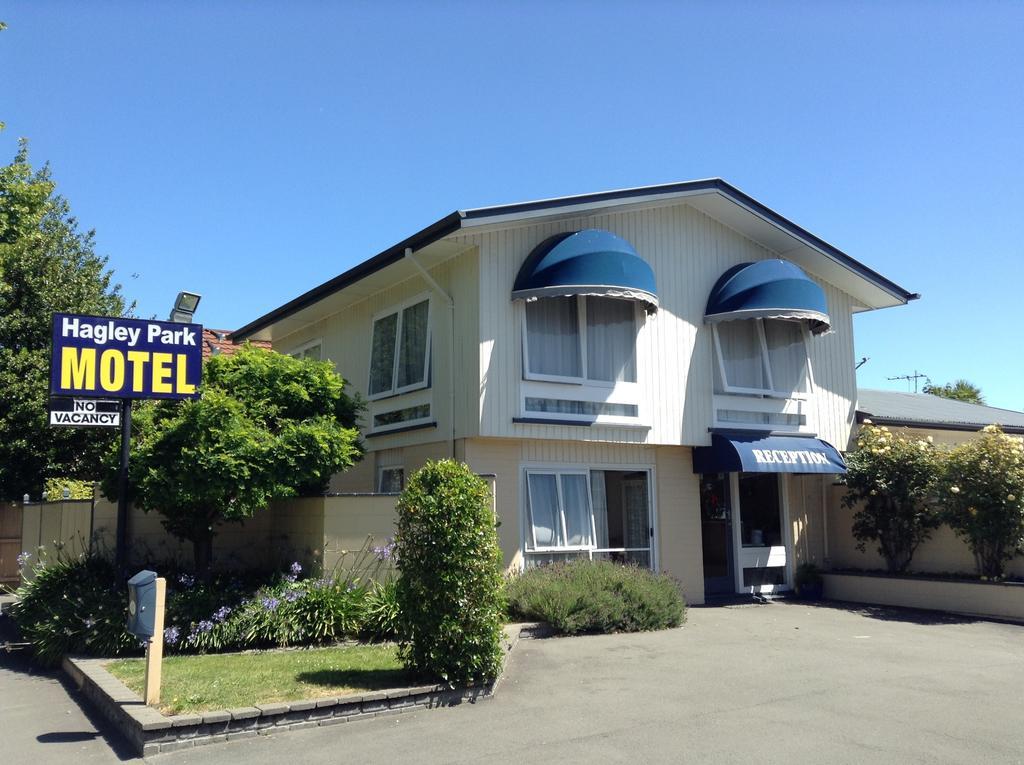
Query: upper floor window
[[400, 349], [311, 350], [761, 357], [581, 339]]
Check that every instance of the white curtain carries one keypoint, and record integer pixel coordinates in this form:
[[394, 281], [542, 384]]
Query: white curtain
[[576, 509], [787, 355], [741, 354], [553, 338], [611, 340], [634, 495], [544, 516], [412, 346], [599, 495], [382, 354]]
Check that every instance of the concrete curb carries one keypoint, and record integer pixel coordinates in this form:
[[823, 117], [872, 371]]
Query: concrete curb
[[150, 732]]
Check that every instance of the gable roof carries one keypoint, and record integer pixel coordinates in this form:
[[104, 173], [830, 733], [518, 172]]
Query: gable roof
[[887, 407], [714, 196], [218, 342]]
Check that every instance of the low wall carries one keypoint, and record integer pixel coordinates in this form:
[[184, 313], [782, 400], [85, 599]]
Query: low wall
[[350, 520], [52, 529], [989, 599]]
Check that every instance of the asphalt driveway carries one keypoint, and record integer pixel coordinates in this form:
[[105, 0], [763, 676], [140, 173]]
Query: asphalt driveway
[[785, 683]]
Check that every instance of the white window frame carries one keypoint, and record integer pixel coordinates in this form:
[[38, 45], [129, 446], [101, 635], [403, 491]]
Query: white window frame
[[526, 520], [382, 469], [417, 398], [399, 310], [581, 328], [299, 351], [770, 391]]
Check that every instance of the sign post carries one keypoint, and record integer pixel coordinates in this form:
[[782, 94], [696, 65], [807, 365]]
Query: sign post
[[155, 647], [147, 593], [122, 359]]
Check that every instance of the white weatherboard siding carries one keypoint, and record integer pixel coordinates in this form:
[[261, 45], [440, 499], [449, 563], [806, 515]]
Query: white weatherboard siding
[[688, 251], [346, 337]]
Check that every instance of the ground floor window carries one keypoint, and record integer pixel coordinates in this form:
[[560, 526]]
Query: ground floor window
[[598, 514], [390, 480]]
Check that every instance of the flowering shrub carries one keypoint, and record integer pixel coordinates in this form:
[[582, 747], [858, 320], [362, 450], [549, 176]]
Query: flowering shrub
[[80, 606], [890, 481], [982, 492], [449, 589]]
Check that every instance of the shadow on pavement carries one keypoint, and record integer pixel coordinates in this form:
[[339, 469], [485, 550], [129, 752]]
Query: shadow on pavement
[[20, 662]]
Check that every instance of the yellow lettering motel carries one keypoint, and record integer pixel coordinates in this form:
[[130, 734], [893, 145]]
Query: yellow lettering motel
[[125, 372]]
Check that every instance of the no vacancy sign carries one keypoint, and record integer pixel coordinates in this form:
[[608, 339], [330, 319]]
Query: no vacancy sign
[[84, 413]]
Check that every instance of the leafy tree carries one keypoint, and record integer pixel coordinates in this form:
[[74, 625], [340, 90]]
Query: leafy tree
[[46, 265], [450, 601], [266, 426], [982, 491], [959, 390], [890, 482]]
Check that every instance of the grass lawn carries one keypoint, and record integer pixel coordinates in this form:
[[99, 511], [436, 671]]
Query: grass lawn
[[222, 681]]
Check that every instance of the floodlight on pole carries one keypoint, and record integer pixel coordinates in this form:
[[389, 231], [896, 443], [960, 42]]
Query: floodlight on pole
[[184, 306]]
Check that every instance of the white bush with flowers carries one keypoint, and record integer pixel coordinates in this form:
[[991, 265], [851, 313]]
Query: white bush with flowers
[[891, 483], [982, 493]]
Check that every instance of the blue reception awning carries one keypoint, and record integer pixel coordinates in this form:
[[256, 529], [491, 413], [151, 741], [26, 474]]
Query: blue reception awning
[[759, 452], [768, 289], [587, 262]]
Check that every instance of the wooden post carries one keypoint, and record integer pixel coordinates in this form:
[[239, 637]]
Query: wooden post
[[155, 648]]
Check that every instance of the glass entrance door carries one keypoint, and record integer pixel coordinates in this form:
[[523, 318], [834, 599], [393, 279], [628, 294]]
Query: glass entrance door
[[761, 535], [716, 534]]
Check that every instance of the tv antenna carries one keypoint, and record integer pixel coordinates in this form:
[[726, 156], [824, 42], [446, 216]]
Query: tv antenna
[[914, 377]]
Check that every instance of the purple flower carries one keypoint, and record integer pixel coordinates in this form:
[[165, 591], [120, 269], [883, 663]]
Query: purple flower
[[186, 580], [295, 568], [221, 614], [271, 604], [23, 559], [204, 626], [292, 595], [89, 623], [385, 552], [172, 635]]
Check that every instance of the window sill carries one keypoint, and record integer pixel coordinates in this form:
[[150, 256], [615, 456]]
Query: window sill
[[578, 423], [402, 429]]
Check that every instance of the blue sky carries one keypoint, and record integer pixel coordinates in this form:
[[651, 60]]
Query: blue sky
[[250, 150]]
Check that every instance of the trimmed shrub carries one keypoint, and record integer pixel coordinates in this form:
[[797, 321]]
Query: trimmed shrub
[[449, 588], [596, 596]]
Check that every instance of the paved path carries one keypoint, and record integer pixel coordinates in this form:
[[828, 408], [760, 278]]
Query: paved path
[[784, 683]]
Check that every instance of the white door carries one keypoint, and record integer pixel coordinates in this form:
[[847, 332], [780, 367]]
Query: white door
[[760, 533]]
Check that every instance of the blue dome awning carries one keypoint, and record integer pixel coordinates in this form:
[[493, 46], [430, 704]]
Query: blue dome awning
[[587, 262], [768, 289], [759, 452]]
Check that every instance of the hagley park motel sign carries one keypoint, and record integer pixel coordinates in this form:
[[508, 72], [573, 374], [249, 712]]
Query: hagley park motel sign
[[101, 357]]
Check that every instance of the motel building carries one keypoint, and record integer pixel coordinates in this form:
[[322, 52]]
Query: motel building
[[657, 375]]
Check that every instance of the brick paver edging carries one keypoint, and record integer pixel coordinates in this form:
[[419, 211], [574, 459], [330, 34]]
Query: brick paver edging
[[150, 732]]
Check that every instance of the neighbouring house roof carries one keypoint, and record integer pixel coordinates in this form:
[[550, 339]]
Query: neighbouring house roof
[[220, 341], [923, 410], [713, 196]]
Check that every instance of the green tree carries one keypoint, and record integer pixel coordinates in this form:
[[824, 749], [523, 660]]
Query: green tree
[[959, 390], [266, 426], [890, 483], [450, 600], [982, 492], [46, 265]]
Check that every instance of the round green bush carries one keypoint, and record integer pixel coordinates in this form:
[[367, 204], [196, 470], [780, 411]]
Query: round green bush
[[449, 588], [596, 596]]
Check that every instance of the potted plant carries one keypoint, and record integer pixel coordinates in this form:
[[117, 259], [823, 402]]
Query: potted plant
[[809, 583]]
